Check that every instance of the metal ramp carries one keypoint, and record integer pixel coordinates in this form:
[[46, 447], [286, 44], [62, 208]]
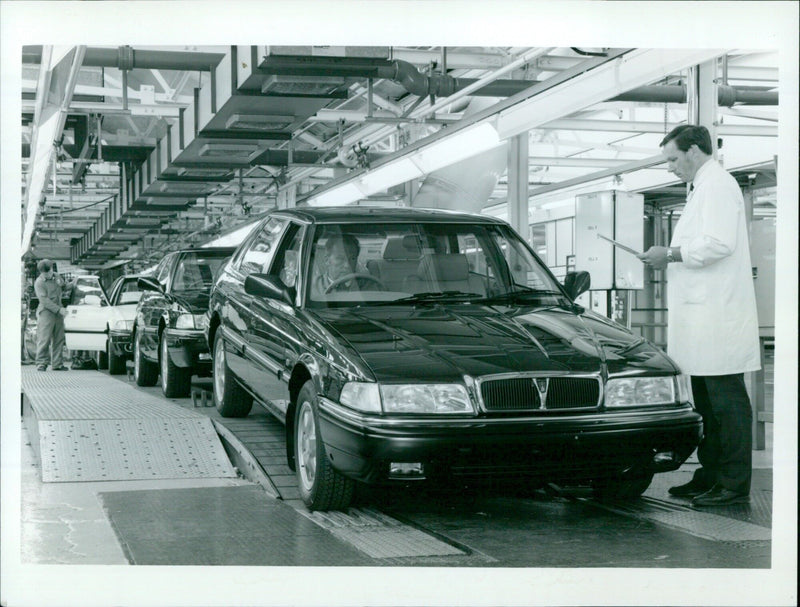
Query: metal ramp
[[86, 426]]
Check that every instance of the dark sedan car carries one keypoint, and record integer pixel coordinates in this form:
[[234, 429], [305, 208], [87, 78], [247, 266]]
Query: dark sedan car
[[168, 330], [408, 344]]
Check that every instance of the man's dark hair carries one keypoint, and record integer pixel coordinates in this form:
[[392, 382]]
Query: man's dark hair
[[687, 135], [44, 265], [349, 242]]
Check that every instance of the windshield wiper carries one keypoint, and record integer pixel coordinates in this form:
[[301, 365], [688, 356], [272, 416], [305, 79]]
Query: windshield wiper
[[432, 296], [524, 294]]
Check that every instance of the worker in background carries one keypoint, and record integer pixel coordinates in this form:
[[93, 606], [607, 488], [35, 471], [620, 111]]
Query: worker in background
[[712, 318], [50, 318]]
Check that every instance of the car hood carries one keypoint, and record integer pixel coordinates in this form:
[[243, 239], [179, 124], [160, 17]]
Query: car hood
[[445, 342]]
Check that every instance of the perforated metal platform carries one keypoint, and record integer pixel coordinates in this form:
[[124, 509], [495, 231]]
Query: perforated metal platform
[[86, 426]]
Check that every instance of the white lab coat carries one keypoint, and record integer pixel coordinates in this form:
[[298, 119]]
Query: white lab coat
[[713, 322]]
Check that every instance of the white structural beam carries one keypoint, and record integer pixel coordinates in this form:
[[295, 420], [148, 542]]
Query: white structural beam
[[624, 126], [636, 68], [49, 121]]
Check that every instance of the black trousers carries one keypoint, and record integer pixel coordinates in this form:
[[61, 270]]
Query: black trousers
[[726, 451]]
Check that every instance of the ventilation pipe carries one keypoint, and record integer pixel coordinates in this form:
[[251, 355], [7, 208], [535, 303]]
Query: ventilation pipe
[[465, 185], [126, 58], [442, 85]]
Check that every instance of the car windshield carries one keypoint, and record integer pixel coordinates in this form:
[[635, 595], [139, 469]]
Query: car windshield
[[416, 263]]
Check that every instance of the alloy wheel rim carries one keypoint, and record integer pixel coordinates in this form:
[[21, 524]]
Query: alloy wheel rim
[[136, 354], [307, 441], [219, 370], [164, 362]]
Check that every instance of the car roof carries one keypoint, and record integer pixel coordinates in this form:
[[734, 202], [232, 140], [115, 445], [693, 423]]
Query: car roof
[[375, 214]]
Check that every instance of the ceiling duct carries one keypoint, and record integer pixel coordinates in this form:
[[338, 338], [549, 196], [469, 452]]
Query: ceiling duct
[[303, 86], [465, 185]]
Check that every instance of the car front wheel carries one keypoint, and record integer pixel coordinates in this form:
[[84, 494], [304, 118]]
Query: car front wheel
[[321, 487], [116, 364], [175, 380], [230, 399], [145, 373]]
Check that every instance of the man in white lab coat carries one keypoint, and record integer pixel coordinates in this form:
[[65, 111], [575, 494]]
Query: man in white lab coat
[[712, 318]]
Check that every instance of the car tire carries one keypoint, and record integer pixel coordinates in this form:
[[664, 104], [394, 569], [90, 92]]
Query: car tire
[[230, 399], [321, 486], [175, 380], [623, 487], [102, 358], [116, 364], [145, 373]]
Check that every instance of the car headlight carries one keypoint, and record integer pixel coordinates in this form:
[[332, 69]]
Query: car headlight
[[406, 398], [122, 325], [425, 398], [640, 391], [191, 321], [684, 388], [361, 396]]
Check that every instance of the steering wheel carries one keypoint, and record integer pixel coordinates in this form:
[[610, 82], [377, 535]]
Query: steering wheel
[[354, 276]]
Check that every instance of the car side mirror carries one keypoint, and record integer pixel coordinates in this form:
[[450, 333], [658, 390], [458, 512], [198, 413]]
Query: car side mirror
[[576, 283], [264, 285], [147, 283]]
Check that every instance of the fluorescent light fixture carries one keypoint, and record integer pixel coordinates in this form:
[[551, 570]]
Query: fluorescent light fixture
[[170, 202], [229, 150], [340, 195], [258, 122], [461, 145], [184, 187], [389, 175]]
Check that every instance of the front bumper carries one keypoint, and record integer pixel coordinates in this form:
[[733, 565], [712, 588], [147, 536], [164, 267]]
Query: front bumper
[[188, 349], [121, 343], [566, 449]]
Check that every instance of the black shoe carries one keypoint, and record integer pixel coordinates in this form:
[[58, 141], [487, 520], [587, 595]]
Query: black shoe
[[61, 368], [41, 368], [720, 496], [690, 489]]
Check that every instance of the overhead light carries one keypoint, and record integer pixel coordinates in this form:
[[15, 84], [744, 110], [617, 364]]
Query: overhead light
[[172, 202], [314, 86], [213, 174], [184, 187], [227, 150], [258, 122]]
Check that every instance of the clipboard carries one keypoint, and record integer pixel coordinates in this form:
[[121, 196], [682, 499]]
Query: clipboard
[[619, 245]]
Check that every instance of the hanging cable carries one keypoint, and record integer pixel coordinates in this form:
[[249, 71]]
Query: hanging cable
[[588, 53]]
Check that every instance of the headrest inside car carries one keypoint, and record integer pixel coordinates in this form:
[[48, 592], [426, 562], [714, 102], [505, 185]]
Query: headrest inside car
[[446, 267], [406, 247]]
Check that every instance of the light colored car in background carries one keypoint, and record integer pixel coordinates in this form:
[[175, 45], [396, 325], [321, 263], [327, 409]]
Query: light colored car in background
[[123, 297], [87, 316]]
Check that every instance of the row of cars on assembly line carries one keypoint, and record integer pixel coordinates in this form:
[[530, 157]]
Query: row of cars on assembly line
[[449, 351]]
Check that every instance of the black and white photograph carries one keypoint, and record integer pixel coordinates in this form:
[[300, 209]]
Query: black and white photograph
[[414, 303]]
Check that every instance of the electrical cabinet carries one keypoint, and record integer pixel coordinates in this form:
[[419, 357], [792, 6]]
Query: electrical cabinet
[[617, 215]]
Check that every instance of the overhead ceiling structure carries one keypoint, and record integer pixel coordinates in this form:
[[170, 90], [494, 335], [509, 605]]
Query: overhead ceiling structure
[[128, 152]]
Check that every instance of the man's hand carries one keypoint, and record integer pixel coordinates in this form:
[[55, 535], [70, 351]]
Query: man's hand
[[62, 311], [656, 257]]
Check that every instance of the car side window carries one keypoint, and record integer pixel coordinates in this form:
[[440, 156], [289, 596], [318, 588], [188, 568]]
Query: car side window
[[162, 272], [286, 265], [258, 256]]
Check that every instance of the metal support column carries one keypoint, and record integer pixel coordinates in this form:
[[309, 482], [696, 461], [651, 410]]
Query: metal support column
[[518, 184]]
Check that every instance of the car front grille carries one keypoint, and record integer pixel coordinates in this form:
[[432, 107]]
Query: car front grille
[[522, 393]]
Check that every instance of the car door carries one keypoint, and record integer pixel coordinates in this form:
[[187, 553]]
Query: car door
[[276, 336], [151, 306], [238, 314], [87, 315]]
